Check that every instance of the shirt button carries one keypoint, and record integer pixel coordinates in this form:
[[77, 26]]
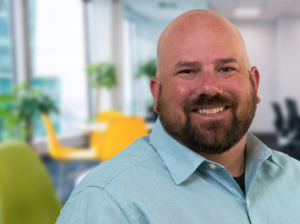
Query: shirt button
[[248, 203], [213, 166]]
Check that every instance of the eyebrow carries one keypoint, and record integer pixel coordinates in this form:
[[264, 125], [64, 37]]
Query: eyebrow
[[187, 64], [225, 61], [198, 64]]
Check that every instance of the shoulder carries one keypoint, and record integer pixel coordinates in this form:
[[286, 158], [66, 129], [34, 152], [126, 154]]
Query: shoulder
[[109, 182], [129, 160], [288, 163]]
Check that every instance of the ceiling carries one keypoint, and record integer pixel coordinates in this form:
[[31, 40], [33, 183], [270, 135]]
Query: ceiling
[[157, 10]]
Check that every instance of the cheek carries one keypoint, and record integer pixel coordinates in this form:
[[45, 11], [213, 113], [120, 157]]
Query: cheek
[[242, 92], [180, 92]]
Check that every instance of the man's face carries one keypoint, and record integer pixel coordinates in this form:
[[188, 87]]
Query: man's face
[[206, 98]]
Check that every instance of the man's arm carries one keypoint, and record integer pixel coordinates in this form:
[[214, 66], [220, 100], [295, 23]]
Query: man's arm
[[93, 205]]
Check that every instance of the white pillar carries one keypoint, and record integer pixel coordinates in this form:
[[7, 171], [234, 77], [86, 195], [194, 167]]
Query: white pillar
[[20, 41]]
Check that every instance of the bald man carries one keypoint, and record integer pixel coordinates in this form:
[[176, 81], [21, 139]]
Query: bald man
[[199, 164]]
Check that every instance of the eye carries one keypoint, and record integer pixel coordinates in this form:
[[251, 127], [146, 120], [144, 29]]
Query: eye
[[226, 69], [187, 71]]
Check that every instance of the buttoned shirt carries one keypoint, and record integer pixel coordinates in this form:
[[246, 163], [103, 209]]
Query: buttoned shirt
[[158, 180]]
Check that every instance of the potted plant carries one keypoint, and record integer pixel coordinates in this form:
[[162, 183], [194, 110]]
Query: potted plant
[[27, 104], [101, 74], [147, 69], [7, 118]]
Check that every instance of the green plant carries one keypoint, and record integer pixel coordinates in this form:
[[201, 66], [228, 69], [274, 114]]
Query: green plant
[[27, 104], [146, 68], [101, 74], [8, 118]]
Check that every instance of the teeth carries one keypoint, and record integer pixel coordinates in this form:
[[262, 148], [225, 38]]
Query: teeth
[[211, 111]]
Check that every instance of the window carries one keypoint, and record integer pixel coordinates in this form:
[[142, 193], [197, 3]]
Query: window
[[59, 61]]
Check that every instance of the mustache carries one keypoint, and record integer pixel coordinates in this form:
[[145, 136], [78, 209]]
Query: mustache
[[204, 100]]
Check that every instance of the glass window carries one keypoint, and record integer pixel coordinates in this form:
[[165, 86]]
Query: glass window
[[5, 42], [58, 59]]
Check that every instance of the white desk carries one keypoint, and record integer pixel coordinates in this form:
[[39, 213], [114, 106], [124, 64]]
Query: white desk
[[102, 126]]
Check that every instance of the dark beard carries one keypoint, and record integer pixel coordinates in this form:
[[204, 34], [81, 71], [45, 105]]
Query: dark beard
[[214, 137]]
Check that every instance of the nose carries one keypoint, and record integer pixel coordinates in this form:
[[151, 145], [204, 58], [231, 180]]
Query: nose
[[209, 83]]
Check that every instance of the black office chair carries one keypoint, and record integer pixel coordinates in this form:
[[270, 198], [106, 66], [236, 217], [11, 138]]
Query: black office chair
[[288, 131], [293, 121], [279, 121]]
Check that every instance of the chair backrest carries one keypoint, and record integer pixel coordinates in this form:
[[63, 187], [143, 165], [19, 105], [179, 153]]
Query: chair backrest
[[108, 115], [26, 192], [292, 113], [121, 132], [97, 137], [53, 144], [279, 120]]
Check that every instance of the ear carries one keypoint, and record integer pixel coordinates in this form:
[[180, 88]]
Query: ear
[[154, 87], [255, 76]]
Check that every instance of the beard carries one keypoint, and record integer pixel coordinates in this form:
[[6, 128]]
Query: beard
[[211, 137]]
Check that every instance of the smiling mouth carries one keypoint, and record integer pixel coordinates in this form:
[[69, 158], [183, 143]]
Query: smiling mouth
[[210, 111]]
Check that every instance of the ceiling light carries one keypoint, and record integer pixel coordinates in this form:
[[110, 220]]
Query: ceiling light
[[246, 12]]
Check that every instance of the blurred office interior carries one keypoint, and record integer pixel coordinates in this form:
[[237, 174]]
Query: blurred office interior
[[50, 45]]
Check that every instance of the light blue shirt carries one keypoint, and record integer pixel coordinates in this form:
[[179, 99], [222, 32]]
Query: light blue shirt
[[158, 180]]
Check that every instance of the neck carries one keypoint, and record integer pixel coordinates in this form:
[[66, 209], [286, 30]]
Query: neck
[[233, 160]]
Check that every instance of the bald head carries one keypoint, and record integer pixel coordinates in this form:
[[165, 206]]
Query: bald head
[[193, 27]]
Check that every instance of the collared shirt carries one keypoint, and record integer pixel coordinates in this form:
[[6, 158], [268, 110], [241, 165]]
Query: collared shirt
[[158, 180]]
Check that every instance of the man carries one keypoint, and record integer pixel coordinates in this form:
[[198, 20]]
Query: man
[[199, 164]]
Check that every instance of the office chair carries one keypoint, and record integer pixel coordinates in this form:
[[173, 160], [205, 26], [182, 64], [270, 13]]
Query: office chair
[[288, 131], [121, 132], [279, 120], [293, 121], [63, 153], [26, 192], [97, 137]]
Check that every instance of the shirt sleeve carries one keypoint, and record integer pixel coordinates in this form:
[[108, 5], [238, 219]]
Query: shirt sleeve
[[93, 205]]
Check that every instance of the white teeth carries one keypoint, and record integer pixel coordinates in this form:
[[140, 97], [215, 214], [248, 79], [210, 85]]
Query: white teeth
[[211, 111]]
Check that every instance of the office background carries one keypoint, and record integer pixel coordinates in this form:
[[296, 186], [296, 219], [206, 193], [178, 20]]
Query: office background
[[50, 43]]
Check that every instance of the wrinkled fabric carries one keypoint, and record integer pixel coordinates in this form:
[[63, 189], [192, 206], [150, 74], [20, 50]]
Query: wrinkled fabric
[[158, 180]]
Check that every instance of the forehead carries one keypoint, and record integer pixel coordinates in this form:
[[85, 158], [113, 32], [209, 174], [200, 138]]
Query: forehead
[[202, 40]]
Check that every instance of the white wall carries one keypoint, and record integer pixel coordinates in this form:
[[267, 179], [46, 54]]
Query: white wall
[[288, 58], [147, 37], [100, 37], [106, 37], [260, 40]]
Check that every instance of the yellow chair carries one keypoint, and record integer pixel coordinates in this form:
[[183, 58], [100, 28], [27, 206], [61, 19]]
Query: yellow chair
[[121, 132], [107, 115], [97, 137], [62, 153]]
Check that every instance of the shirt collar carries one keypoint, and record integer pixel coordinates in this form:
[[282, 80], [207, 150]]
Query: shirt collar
[[258, 150], [182, 162]]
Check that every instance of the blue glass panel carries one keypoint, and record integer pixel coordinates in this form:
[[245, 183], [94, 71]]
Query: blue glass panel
[[5, 44]]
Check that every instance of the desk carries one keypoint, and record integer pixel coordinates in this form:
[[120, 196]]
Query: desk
[[102, 126]]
